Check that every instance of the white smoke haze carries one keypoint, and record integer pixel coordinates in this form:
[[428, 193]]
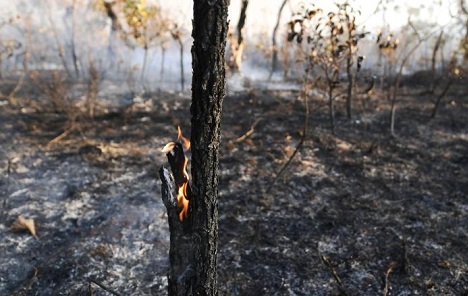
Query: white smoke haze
[[58, 33]]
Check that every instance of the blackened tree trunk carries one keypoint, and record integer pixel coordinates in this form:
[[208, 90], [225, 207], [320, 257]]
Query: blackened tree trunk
[[73, 45], [237, 48], [349, 92], [274, 57], [194, 238], [210, 28]]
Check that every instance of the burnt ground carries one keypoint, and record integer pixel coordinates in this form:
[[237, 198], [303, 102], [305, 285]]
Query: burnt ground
[[358, 213]]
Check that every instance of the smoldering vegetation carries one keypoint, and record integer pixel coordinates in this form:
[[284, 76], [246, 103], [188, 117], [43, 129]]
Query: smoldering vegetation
[[322, 191]]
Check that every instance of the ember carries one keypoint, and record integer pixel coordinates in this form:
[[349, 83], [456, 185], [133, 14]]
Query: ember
[[182, 194]]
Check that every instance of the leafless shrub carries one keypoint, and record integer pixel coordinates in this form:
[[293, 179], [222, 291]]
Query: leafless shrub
[[405, 55], [54, 86], [8, 49], [331, 46], [56, 90]]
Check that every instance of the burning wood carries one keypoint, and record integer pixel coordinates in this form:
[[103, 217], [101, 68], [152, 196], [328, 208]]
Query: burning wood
[[178, 162]]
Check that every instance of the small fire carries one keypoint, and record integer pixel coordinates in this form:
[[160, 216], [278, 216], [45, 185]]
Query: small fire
[[185, 141], [182, 200]]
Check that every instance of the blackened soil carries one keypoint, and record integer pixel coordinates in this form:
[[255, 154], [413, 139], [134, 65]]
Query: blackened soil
[[360, 212]]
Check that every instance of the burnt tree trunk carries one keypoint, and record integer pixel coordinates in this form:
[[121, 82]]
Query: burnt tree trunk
[[181, 52], [349, 91], [73, 45], [274, 57], [235, 61], [180, 252], [210, 28], [194, 241]]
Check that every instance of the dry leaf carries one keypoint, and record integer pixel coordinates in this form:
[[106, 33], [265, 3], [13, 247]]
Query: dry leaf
[[342, 145], [21, 224], [288, 150], [444, 264]]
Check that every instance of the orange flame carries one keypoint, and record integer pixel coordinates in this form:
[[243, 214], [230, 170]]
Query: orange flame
[[182, 201], [185, 141]]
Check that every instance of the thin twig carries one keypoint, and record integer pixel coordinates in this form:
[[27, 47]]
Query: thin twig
[[441, 96], [249, 132], [390, 268], [61, 136], [29, 284], [102, 287], [299, 145], [16, 88], [337, 278]]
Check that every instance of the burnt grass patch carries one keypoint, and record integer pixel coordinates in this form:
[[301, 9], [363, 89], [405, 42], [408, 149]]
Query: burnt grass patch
[[356, 213]]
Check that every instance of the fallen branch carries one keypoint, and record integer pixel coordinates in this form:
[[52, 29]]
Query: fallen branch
[[441, 96], [61, 136], [102, 287], [390, 268], [249, 132], [337, 278], [298, 147]]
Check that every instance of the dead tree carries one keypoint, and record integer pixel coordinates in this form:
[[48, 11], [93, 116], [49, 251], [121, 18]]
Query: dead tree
[[194, 235], [332, 42], [71, 15], [436, 48], [176, 34], [237, 46], [274, 57]]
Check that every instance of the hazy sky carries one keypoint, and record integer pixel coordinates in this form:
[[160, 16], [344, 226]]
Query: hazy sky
[[261, 15]]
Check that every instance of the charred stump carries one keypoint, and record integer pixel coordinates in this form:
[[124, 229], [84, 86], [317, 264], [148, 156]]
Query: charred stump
[[180, 252]]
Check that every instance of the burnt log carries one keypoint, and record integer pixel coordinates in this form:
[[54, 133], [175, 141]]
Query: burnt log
[[180, 252]]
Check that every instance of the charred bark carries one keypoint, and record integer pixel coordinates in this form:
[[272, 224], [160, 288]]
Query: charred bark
[[112, 15], [237, 48], [349, 91], [210, 28], [274, 59], [241, 23], [194, 241], [180, 252], [72, 44]]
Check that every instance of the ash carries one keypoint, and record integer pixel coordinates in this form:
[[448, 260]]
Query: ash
[[353, 214]]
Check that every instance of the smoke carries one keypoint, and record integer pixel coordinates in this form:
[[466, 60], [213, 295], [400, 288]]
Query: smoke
[[69, 35]]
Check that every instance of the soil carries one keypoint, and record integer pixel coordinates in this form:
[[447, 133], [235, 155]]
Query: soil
[[360, 212]]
